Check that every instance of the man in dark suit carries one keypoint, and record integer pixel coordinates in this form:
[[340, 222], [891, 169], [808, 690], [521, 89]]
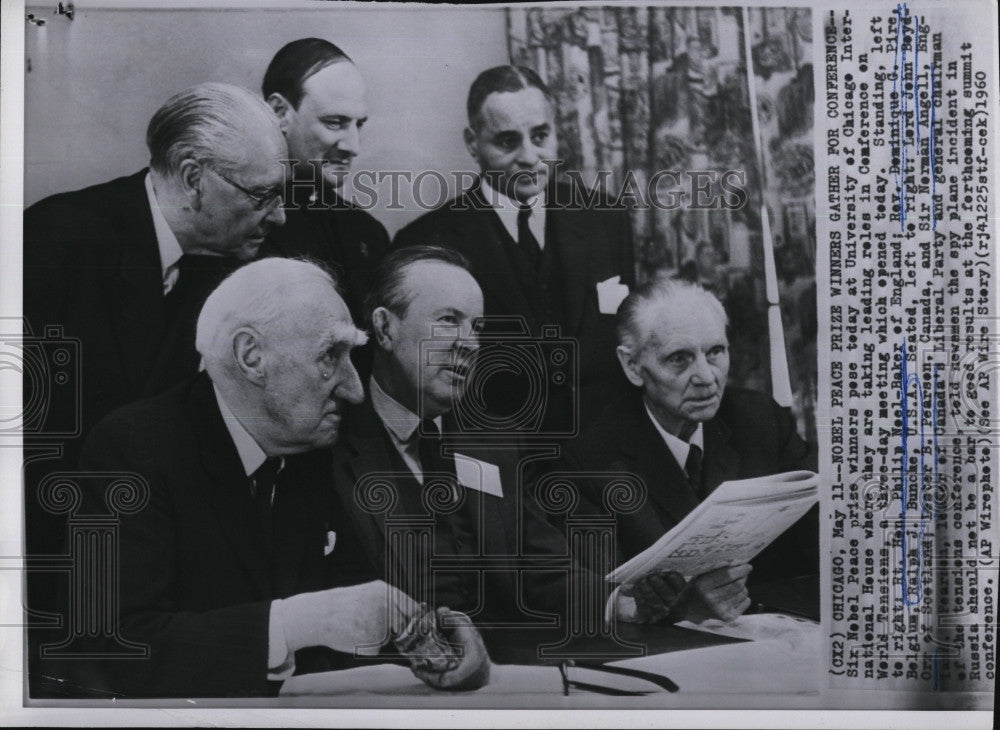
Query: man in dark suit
[[539, 251], [442, 514], [318, 96], [421, 308], [684, 433], [123, 268], [109, 263], [226, 573]]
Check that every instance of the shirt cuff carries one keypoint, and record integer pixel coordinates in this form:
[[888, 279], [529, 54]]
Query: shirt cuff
[[622, 611], [280, 661]]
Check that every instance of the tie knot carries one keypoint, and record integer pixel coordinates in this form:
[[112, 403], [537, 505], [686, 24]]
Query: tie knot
[[428, 429], [267, 472]]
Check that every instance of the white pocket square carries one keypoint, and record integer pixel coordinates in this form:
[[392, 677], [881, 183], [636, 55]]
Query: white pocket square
[[610, 294], [331, 541]]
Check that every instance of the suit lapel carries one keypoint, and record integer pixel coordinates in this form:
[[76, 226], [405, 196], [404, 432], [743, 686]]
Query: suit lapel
[[666, 484], [137, 297], [569, 231], [229, 488], [296, 512], [363, 454], [721, 462], [489, 258], [493, 517]]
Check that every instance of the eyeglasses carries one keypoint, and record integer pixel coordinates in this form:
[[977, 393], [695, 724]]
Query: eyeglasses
[[267, 199], [657, 679]]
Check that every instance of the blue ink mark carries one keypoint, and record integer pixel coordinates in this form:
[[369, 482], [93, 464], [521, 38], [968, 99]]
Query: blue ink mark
[[906, 380], [933, 156], [903, 129], [899, 127], [916, 76]]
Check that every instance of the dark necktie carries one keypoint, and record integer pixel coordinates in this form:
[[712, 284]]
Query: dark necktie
[[432, 460], [262, 490], [197, 276], [177, 358], [693, 468], [526, 239]]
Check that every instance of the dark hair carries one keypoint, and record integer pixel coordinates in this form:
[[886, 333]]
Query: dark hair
[[295, 63], [499, 79], [386, 283]]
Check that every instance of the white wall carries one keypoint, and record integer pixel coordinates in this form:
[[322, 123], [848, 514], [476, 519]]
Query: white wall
[[95, 81]]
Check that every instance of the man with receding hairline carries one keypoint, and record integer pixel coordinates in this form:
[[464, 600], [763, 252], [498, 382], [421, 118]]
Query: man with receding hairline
[[538, 251], [684, 432], [242, 570], [123, 267], [318, 96]]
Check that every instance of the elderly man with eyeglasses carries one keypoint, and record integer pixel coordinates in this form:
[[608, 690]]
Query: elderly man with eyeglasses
[[115, 274]]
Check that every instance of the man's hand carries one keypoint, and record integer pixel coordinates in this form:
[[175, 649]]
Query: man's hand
[[352, 619], [655, 595], [719, 594], [665, 595], [463, 649]]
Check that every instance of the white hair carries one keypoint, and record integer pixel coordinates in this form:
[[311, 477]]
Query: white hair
[[661, 292], [260, 295], [213, 123]]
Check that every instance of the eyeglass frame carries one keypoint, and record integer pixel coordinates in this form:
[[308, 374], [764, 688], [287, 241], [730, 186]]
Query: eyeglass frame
[[261, 202]]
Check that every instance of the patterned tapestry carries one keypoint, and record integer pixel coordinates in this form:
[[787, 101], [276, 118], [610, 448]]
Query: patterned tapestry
[[645, 90]]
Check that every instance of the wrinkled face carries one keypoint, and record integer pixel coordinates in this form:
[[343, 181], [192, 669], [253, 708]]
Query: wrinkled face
[[309, 374], [327, 124], [515, 137], [231, 222], [446, 302], [683, 364]]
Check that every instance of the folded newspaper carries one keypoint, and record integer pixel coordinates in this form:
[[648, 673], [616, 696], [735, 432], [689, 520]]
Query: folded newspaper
[[733, 524]]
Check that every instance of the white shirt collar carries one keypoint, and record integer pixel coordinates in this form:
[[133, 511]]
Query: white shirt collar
[[507, 211], [251, 454], [170, 249], [678, 447], [400, 420]]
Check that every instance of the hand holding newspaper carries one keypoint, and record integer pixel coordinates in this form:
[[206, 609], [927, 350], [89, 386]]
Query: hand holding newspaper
[[733, 524]]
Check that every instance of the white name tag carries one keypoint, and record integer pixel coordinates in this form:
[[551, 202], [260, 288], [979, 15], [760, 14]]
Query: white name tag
[[480, 475], [610, 294]]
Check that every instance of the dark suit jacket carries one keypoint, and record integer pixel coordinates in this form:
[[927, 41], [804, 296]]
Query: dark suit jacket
[[345, 238], [592, 244], [504, 529], [194, 578], [750, 436], [92, 267]]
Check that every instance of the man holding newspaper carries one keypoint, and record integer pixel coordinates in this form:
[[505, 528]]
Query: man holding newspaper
[[685, 434]]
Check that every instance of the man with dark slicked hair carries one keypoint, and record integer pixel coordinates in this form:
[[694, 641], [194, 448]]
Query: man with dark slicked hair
[[540, 252], [318, 96]]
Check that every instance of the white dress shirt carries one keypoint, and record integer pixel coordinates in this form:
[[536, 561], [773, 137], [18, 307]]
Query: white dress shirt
[[166, 241], [507, 210], [402, 424], [679, 447]]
